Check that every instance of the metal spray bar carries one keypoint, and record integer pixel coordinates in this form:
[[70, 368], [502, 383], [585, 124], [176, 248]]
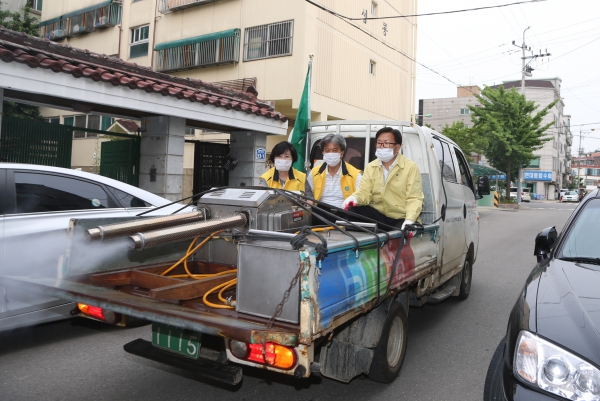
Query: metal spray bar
[[172, 234], [116, 230]]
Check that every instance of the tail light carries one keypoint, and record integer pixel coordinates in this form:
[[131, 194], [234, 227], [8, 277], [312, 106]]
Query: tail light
[[276, 355], [99, 313]]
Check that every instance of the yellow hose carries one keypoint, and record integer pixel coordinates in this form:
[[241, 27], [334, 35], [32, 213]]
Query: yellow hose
[[217, 306], [188, 274], [190, 253]]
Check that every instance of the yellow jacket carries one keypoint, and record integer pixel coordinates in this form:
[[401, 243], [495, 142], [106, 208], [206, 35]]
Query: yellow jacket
[[295, 181], [347, 180], [401, 197]]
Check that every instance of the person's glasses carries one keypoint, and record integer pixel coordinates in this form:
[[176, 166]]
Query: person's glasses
[[385, 144]]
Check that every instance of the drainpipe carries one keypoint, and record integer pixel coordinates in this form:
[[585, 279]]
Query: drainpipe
[[151, 49]]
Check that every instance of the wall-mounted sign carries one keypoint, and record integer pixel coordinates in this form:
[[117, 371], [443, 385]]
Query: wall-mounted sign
[[534, 175], [261, 154]]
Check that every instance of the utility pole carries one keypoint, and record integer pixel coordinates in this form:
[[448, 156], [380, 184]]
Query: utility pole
[[525, 71]]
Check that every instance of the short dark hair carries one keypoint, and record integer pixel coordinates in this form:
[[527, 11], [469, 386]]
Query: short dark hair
[[281, 148], [395, 132]]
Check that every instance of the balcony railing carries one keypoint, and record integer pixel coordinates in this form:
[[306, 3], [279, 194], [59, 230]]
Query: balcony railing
[[569, 139], [168, 6], [201, 51], [99, 16]]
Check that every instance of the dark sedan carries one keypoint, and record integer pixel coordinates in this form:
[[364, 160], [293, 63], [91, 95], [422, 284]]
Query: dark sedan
[[552, 346]]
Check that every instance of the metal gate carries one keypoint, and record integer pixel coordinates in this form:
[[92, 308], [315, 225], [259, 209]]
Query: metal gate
[[209, 159], [120, 160], [33, 142]]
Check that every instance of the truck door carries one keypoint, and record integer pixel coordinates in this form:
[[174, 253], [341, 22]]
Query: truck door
[[453, 228], [470, 208]]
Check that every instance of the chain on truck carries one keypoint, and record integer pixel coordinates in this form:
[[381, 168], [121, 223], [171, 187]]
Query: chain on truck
[[245, 279]]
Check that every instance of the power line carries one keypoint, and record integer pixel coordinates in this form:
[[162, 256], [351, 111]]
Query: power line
[[418, 15], [414, 60]]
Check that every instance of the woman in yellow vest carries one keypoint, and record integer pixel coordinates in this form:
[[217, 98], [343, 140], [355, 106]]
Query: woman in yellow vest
[[332, 181], [283, 175]]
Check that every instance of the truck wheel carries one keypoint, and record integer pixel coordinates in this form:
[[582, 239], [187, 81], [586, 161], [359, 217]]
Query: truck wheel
[[465, 278], [389, 353]]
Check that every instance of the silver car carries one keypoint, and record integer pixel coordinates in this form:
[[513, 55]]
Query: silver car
[[36, 205], [570, 196]]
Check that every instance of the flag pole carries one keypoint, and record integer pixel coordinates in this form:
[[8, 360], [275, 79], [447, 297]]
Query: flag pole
[[307, 136]]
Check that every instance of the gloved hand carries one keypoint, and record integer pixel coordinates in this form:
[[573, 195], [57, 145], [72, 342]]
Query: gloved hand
[[407, 222], [350, 201]]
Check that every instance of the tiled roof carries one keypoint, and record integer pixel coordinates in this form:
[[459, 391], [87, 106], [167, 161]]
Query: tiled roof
[[129, 125], [42, 53]]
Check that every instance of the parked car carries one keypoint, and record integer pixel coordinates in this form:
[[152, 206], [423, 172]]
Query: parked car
[[570, 196], [561, 193], [36, 205], [525, 194], [551, 349]]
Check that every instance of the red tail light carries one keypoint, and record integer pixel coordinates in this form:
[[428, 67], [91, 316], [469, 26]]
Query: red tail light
[[276, 355], [99, 313]]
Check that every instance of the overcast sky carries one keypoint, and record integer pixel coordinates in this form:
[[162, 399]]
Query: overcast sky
[[476, 48]]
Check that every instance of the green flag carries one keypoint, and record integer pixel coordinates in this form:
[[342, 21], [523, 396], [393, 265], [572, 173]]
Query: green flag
[[302, 125]]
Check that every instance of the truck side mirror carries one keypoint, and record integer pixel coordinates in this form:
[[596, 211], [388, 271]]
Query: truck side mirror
[[483, 185], [544, 242]]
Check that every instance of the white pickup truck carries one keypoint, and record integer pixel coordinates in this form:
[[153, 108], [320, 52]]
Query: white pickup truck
[[266, 289]]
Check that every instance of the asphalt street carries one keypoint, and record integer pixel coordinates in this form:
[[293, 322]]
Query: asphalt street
[[450, 344]]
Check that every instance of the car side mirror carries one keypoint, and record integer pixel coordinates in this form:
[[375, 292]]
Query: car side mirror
[[483, 185], [544, 242]]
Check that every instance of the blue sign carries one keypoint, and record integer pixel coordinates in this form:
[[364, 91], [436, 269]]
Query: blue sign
[[261, 154], [499, 177], [534, 175]]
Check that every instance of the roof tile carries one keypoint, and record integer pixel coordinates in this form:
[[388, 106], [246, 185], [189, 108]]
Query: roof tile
[[63, 58]]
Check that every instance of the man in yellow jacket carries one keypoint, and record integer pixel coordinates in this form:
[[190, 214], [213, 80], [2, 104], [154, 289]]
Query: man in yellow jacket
[[390, 191]]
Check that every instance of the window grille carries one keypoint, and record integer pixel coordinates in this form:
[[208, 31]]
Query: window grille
[[201, 54], [270, 40], [138, 42]]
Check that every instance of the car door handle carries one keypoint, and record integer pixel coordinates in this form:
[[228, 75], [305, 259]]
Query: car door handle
[[465, 211]]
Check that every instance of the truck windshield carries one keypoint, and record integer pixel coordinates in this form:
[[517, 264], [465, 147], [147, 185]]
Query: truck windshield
[[355, 152], [581, 243]]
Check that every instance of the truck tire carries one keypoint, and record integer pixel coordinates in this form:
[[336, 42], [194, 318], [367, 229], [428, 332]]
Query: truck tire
[[465, 278], [391, 349]]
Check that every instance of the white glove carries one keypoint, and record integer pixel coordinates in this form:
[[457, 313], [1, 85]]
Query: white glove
[[406, 222], [350, 201]]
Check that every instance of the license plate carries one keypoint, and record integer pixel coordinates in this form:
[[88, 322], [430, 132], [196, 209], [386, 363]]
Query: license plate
[[180, 341]]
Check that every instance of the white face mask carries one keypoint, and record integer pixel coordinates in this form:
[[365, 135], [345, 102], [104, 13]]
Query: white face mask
[[385, 154], [282, 164], [332, 159]]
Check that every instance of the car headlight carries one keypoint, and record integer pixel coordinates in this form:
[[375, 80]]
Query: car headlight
[[555, 370]]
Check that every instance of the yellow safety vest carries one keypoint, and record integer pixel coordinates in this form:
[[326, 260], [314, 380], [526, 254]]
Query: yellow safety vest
[[295, 182], [347, 181]]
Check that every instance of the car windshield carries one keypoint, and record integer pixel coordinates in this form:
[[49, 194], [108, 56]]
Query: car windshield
[[581, 242]]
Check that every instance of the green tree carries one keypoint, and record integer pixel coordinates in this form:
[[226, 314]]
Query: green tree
[[28, 24], [464, 138], [505, 121]]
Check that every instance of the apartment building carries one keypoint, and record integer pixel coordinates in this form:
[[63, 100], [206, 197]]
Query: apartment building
[[261, 46], [587, 168], [550, 170]]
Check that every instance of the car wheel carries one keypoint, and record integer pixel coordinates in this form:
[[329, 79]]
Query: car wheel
[[465, 278], [493, 389], [389, 353]]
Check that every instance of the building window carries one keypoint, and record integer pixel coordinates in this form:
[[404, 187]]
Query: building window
[[270, 40], [534, 163], [215, 48], [83, 121], [52, 120], [374, 8], [465, 111], [372, 67], [36, 5], [138, 43]]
